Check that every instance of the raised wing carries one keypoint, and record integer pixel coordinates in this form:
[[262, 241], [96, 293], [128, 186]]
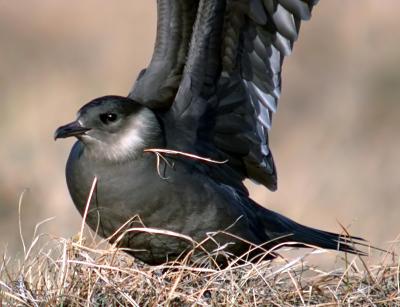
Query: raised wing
[[232, 82], [156, 85]]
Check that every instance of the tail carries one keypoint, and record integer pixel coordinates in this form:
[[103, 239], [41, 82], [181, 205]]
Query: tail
[[280, 229]]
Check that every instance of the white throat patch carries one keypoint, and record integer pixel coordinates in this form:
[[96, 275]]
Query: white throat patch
[[141, 130]]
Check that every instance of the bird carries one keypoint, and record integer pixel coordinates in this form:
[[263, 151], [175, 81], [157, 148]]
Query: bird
[[162, 170]]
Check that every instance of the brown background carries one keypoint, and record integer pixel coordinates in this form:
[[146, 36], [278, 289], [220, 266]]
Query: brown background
[[335, 138]]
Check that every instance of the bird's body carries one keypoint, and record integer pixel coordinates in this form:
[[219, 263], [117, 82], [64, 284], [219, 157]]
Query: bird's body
[[135, 190], [210, 91], [185, 202]]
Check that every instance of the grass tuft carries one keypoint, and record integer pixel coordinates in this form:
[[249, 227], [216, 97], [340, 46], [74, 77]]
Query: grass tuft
[[73, 272]]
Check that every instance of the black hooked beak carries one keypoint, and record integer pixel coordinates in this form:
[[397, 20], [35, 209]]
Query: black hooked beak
[[71, 129]]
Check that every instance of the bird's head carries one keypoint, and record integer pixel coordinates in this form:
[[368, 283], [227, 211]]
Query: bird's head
[[113, 128]]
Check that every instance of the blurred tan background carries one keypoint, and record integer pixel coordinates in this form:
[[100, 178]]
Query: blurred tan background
[[335, 138]]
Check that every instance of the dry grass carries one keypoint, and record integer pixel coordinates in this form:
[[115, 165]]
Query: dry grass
[[76, 272]]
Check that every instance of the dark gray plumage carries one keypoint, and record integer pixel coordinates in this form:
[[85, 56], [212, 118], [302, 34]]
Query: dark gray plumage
[[210, 90]]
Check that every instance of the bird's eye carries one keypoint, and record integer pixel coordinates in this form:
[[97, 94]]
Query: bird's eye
[[107, 118]]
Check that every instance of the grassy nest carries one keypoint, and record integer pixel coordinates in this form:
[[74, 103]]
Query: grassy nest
[[70, 272]]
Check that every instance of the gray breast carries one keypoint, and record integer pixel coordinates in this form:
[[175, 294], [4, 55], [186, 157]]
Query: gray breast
[[133, 192]]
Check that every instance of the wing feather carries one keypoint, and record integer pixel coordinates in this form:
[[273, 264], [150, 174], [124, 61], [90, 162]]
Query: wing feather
[[232, 82], [157, 85]]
